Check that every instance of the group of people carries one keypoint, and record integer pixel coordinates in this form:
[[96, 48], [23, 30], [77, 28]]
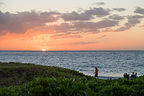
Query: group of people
[[133, 75]]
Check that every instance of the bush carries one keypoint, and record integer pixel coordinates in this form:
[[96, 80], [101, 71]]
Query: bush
[[61, 86], [49, 87], [54, 81]]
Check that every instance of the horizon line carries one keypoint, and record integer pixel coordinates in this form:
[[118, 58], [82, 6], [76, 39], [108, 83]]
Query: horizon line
[[80, 50]]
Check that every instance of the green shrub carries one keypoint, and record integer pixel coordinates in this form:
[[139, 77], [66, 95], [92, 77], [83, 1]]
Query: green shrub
[[54, 81], [49, 87]]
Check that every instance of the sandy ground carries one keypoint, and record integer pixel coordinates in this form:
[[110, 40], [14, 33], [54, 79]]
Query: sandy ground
[[104, 77]]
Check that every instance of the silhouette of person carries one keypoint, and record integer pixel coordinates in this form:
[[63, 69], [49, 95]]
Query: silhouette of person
[[133, 75], [126, 76], [96, 72]]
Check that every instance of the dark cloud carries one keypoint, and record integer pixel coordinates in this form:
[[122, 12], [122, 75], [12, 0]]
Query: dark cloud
[[116, 17], [137, 16], [139, 10], [99, 3], [21, 21], [76, 16], [132, 21], [94, 26], [76, 28], [63, 28], [119, 9], [99, 12], [86, 15]]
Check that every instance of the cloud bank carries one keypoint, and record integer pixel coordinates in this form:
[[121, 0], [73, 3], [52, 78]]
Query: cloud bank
[[119, 9], [98, 3], [92, 20], [139, 10], [22, 21]]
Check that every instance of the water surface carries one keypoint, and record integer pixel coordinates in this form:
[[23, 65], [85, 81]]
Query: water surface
[[109, 63]]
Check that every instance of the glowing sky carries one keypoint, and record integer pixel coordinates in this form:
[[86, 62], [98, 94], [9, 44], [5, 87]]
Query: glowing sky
[[71, 24]]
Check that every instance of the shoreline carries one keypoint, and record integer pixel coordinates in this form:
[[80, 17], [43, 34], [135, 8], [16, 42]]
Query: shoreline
[[100, 77], [108, 77]]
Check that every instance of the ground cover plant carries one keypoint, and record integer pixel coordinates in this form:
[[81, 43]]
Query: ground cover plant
[[18, 73], [71, 83]]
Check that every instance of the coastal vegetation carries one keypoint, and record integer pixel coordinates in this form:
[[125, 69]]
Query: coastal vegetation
[[17, 79], [18, 73]]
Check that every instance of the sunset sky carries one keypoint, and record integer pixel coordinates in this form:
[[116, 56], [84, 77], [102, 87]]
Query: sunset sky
[[72, 24]]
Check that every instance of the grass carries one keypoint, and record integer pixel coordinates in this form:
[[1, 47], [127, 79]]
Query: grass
[[18, 73], [17, 79]]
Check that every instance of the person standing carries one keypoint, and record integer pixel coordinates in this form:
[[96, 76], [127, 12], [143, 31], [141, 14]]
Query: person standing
[[132, 75], [96, 72]]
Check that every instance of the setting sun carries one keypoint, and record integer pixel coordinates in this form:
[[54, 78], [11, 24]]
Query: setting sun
[[43, 50]]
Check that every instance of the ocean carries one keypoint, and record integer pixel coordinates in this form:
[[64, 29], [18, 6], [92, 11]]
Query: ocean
[[109, 63]]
